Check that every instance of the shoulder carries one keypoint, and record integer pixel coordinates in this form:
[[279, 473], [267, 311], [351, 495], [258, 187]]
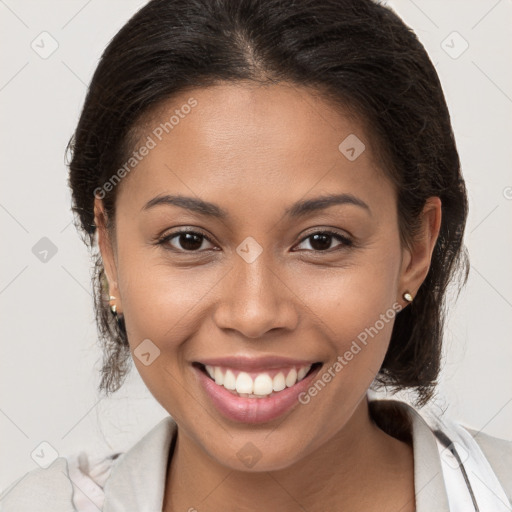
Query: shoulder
[[498, 452], [40, 490], [70, 483]]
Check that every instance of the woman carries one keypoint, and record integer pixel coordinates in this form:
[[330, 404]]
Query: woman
[[276, 195]]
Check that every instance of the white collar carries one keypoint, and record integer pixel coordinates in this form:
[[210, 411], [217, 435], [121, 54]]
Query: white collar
[[137, 477], [144, 467], [137, 481]]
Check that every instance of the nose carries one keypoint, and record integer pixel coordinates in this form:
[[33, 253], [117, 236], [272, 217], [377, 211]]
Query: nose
[[256, 299]]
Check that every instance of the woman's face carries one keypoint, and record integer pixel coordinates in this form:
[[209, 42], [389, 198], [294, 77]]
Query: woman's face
[[254, 295]]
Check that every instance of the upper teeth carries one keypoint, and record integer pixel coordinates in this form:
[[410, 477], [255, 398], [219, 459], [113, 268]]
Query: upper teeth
[[261, 385]]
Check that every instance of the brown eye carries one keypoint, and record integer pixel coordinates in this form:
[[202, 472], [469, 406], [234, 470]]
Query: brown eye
[[185, 241], [321, 240]]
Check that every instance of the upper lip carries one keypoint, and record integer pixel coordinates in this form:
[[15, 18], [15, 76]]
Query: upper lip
[[245, 363]]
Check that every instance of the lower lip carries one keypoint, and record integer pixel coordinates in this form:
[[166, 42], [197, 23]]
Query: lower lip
[[253, 410]]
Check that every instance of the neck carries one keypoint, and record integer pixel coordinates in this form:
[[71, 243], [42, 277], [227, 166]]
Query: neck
[[361, 467]]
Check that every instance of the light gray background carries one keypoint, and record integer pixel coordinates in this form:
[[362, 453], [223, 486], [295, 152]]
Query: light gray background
[[49, 358]]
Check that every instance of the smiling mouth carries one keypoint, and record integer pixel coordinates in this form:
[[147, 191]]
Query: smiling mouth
[[262, 384]]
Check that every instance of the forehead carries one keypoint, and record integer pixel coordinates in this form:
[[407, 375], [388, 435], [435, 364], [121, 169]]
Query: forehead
[[252, 144]]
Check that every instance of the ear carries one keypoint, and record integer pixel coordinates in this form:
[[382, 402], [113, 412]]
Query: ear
[[106, 246], [416, 259]]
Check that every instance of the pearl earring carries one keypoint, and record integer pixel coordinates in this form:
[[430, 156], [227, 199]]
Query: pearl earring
[[118, 316], [113, 306], [407, 296]]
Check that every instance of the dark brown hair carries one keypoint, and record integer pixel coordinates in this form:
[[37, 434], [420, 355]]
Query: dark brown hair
[[359, 55]]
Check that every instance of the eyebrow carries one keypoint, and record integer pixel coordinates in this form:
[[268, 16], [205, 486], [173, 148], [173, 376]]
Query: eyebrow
[[299, 209]]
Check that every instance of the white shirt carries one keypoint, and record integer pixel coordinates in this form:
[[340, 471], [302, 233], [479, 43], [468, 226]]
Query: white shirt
[[135, 480]]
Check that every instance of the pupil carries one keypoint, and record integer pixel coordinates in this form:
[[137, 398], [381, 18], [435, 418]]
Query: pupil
[[321, 241], [190, 241]]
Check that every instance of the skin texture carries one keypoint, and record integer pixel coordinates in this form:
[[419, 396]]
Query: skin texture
[[254, 151]]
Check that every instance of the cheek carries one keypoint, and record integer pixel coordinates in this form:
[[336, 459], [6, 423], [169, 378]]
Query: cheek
[[159, 301], [354, 313], [357, 304]]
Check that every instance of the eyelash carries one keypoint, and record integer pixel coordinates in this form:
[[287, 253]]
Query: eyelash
[[346, 242]]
